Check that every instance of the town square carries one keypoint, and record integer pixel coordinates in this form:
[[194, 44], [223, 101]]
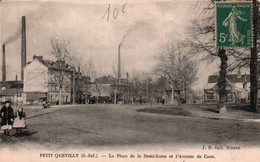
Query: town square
[[166, 80]]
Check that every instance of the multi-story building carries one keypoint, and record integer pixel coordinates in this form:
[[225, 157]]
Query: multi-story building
[[82, 88], [49, 79]]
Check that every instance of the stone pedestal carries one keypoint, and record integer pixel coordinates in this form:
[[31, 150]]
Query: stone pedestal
[[222, 107], [223, 110]]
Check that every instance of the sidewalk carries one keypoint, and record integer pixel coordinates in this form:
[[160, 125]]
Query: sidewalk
[[210, 111], [234, 112], [52, 106], [38, 110]]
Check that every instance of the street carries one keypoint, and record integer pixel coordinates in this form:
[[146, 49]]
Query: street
[[108, 125]]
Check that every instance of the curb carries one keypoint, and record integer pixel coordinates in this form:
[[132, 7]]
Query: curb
[[52, 106]]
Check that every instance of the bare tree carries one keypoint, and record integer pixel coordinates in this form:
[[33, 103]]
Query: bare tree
[[144, 87], [202, 32], [89, 69], [60, 49], [174, 65]]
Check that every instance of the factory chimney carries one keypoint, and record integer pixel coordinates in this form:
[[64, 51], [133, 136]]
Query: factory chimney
[[3, 68], [23, 48], [119, 62]]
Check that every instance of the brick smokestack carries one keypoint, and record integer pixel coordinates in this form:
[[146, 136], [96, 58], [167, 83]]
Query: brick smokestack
[[3, 67], [23, 51], [119, 62]]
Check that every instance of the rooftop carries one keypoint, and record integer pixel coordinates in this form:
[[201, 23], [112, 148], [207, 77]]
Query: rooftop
[[11, 88], [58, 65], [233, 78]]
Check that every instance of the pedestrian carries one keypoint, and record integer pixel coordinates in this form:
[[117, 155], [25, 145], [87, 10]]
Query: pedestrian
[[7, 115], [19, 121]]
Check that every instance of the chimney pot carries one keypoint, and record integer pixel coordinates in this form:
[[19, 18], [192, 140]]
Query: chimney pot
[[40, 58]]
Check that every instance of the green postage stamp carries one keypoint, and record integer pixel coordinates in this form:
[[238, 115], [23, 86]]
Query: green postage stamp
[[234, 24]]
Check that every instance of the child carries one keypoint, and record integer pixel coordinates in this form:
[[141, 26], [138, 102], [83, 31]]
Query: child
[[19, 121], [6, 113]]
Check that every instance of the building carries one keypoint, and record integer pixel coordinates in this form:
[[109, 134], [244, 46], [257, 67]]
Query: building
[[11, 91], [237, 86], [82, 88], [105, 88], [44, 78]]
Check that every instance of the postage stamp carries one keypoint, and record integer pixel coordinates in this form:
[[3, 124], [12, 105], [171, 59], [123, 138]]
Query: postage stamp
[[234, 24]]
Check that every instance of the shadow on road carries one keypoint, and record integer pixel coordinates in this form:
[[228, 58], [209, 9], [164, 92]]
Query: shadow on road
[[212, 110], [13, 138], [166, 110]]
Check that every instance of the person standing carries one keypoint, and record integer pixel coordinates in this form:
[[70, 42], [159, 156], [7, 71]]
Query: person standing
[[19, 121], [7, 115]]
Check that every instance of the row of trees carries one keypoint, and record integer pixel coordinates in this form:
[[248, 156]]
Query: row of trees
[[174, 69], [176, 66]]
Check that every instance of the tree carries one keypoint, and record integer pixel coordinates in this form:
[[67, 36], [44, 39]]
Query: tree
[[202, 42], [60, 49], [174, 64], [253, 61]]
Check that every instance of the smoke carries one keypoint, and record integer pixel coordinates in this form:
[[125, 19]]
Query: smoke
[[30, 18], [13, 37], [141, 26]]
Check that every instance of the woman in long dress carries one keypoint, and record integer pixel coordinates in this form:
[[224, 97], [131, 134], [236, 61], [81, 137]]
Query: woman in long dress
[[231, 21]]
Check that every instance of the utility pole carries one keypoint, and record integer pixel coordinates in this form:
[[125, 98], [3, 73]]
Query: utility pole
[[115, 93], [73, 87], [147, 91], [253, 63], [128, 89]]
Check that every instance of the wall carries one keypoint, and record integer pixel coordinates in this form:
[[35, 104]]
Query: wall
[[103, 90], [36, 77]]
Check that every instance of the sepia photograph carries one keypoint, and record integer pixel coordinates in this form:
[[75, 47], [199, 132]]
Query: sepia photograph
[[130, 80]]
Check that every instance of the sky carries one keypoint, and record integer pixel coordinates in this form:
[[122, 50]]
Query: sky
[[141, 26]]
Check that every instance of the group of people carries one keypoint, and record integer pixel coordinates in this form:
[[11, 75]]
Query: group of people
[[11, 120]]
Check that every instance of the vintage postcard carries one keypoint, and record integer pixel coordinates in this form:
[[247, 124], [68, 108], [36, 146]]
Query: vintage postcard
[[129, 80]]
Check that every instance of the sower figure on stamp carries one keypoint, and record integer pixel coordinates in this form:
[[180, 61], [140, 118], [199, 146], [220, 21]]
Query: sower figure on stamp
[[231, 21], [7, 115], [19, 121]]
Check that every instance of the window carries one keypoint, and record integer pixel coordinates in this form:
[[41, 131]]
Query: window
[[229, 96], [245, 85], [57, 88], [210, 96]]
